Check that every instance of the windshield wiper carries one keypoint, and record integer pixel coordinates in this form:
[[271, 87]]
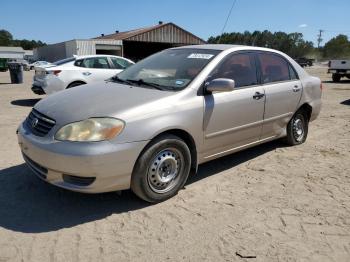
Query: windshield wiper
[[117, 79], [142, 82]]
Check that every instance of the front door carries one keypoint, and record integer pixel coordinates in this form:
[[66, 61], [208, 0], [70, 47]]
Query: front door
[[234, 119]]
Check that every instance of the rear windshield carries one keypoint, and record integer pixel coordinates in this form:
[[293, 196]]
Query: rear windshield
[[64, 61]]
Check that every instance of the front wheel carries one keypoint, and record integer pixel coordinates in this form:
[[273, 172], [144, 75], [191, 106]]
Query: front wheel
[[297, 129], [162, 169], [336, 78]]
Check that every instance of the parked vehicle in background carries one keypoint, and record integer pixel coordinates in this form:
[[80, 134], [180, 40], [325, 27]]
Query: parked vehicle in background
[[148, 126], [339, 69], [38, 63], [3, 65], [24, 63], [77, 71], [304, 62]]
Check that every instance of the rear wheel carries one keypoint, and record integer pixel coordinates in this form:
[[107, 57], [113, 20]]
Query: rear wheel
[[336, 77], [297, 129], [162, 169]]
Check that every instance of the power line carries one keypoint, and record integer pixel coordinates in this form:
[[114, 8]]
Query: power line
[[228, 16]]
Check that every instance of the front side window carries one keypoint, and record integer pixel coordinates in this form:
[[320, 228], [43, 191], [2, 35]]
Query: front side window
[[273, 68], [120, 63], [238, 67], [171, 69], [95, 62]]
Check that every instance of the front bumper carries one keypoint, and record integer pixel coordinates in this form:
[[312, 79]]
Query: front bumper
[[93, 167]]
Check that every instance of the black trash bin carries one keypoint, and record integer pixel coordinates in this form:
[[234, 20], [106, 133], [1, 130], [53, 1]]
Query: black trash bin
[[16, 72]]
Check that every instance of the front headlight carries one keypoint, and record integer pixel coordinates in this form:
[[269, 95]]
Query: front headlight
[[91, 130]]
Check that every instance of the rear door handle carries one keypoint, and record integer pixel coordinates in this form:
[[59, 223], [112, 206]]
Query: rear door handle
[[86, 73], [296, 88], [258, 95]]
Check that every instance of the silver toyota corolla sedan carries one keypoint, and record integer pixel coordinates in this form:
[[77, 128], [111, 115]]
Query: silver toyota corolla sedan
[[149, 126]]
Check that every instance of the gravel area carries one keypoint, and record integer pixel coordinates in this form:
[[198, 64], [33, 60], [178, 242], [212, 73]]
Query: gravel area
[[271, 202]]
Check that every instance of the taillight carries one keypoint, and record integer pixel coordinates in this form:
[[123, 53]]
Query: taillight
[[54, 72], [321, 86]]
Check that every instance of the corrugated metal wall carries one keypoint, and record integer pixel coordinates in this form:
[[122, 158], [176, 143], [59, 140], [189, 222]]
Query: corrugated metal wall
[[168, 34], [51, 53], [88, 47]]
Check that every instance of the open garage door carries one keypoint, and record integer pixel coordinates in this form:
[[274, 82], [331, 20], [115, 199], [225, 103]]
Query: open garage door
[[102, 49]]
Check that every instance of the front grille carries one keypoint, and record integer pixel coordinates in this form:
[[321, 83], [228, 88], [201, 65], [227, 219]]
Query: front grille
[[38, 169], [78, 180], [38, 123]]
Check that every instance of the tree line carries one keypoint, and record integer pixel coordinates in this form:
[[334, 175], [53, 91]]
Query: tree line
[[6, 39], [292, 44]]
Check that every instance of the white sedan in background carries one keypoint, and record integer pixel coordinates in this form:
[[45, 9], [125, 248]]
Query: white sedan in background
[[75, 71], [38, 63]]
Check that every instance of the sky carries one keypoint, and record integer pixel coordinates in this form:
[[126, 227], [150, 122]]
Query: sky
[[57, 21]]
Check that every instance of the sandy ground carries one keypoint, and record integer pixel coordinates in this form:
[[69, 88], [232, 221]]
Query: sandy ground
[[274, 202]]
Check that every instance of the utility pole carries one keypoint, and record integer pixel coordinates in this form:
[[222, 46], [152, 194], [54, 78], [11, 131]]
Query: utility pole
[[319, 38]]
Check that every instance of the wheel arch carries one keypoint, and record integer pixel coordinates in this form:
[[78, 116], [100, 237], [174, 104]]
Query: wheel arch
[[76, 81], [186, 137], [307, 108]]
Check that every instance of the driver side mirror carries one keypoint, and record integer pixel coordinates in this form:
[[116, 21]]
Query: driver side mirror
[[220, 85]]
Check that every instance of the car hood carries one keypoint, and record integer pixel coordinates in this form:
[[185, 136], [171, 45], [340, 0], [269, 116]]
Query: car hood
[[103, 99]]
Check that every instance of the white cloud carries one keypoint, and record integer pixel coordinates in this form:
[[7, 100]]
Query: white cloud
[[303, 25]]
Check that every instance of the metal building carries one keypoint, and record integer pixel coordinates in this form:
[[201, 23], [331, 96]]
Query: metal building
[[135, 44], [66, 49], [140, 43], [11, 52]]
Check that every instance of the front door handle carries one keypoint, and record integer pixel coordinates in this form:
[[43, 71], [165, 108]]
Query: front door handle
[[86, 73], [296, 88], [258, 95]]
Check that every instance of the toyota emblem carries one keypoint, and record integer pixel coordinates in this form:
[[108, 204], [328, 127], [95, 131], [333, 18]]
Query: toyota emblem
[[35, 122]]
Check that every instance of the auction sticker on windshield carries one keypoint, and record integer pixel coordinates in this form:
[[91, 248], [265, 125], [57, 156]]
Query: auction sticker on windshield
[[200, 56]]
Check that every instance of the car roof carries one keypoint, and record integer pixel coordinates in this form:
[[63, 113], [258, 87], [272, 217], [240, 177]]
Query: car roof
[[223, 47], [87, 56]]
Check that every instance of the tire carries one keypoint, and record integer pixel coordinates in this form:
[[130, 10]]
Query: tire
[[336, 78], [162, 169], [75, 84], [297, 129]]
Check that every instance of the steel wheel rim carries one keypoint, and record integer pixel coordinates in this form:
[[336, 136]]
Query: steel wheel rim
[[298, 129], [163, 172]]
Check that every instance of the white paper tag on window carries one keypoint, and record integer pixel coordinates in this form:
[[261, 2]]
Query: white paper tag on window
[[200, 56]]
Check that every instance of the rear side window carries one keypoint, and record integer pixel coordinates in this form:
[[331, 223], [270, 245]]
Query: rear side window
[[120, 63], [239, 67], [95, 62], [273, 68]]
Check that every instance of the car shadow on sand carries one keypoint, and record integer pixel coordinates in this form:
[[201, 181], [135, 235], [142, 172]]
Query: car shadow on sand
[[29, 205], [25, 102], [345, 102]]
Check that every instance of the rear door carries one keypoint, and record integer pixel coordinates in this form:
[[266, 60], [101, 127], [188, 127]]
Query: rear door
[[95, 68], [283, 91], [119, 64], [234, 119]]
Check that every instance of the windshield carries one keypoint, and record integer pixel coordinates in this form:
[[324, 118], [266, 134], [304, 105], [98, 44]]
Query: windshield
[[63, 61], [171, 69]]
